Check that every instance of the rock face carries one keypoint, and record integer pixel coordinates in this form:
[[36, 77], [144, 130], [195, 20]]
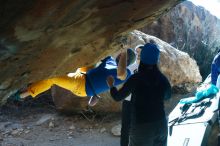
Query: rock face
[[44, 38], [175, 64], [191, 29]]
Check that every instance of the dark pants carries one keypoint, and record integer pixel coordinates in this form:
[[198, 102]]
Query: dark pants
[[125, 124], [149, 134]]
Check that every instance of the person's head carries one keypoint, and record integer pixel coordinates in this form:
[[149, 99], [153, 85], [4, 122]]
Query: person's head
[[150, 54], [149, 58], [131, 57]]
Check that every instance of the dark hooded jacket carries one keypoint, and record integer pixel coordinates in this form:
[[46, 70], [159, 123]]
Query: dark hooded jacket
[[148, 88]]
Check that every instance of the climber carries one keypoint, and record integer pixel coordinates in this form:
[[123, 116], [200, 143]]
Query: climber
[[86, 81]]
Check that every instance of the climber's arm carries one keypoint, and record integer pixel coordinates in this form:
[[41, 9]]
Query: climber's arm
[[122, 64]]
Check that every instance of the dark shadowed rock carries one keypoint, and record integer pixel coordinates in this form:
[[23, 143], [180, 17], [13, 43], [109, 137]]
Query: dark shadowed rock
[[65, 101]]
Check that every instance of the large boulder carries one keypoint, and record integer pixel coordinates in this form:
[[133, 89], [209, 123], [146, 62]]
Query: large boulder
[[177, 65]]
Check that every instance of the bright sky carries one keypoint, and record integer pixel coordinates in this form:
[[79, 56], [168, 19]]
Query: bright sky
[[213, 6]]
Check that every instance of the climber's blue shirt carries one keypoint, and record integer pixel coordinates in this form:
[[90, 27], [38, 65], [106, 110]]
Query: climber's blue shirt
[[97, 77]]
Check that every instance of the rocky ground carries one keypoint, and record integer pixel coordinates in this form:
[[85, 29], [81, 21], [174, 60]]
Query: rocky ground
[[41, 125], [45, 126]]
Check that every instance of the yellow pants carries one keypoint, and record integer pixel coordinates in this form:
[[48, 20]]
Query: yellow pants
[[76, 83]]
